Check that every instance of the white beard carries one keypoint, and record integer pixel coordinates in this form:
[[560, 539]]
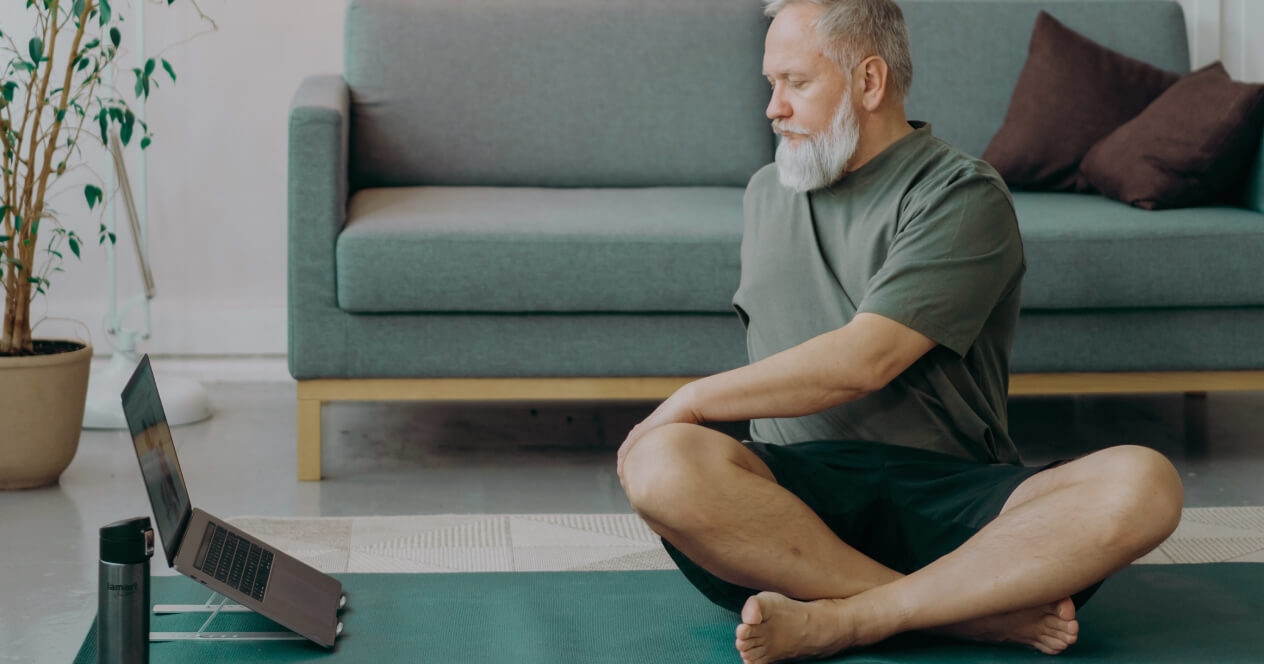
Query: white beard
[[817, 161]]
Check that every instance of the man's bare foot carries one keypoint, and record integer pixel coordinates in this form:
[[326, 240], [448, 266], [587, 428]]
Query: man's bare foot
[[1050, 629], [776, 628]]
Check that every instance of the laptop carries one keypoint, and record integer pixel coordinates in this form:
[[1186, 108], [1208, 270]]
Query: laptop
[[214, 553]]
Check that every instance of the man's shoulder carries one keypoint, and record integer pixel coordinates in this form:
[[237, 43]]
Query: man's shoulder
[[764, 189], [945, 166], [764, 179]]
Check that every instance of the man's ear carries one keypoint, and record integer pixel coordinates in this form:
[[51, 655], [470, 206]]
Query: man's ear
[[873, 73]]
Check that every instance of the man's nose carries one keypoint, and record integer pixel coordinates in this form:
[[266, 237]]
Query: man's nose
[[777, 106]]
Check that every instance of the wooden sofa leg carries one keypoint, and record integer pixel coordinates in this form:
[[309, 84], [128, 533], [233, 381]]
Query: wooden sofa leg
[[309, 439]]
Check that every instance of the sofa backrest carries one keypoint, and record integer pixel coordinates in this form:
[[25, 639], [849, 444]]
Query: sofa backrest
[[629, 93], [568, 93], [967, 54]]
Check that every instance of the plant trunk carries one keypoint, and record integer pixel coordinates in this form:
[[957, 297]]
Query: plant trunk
[[17, 321]]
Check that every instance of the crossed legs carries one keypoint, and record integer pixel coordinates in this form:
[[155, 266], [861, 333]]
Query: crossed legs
[[1061, 531]]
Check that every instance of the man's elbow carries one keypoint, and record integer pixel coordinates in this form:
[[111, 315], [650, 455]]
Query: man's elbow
[[859, 384], [875, 375], [871, 382]]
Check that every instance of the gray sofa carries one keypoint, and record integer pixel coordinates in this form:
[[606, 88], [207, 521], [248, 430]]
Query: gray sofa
[[525, 200]]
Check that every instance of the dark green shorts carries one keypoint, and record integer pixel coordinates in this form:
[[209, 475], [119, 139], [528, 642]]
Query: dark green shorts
[[901, 506]]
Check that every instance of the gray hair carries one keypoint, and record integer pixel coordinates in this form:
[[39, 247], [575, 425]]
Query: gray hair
[[857, 29]]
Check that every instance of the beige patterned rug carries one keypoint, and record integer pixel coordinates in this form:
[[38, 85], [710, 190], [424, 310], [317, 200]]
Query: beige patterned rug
[[555, 542]]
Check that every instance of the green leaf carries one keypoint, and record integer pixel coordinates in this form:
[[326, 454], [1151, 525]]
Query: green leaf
[[149, 66], [36, 49], [74, 246], [5, 238], [102, 120], [9, 88], [115, 36], [129, 123], [92, 44], [106, 13], [23, 65], [77, 9], [93, 194], [61, 114], [17, 223], [83, 63], [144, 142], [170, 70]]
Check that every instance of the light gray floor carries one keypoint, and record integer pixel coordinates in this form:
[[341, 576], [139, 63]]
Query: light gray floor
[[384, 459]]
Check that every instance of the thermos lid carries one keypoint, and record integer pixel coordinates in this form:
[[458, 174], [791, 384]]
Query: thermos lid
[[127, 541]]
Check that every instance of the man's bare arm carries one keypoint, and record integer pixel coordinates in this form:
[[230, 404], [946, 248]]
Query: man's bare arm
[[825, 371], [828, 370]]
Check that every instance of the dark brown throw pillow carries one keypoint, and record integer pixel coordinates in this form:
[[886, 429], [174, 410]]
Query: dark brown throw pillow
[[1186, 148], [1071, 93]]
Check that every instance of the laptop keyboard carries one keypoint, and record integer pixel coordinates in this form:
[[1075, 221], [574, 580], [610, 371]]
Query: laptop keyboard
[[234, 561]]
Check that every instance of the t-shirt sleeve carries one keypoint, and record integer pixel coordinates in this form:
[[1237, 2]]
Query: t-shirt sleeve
[[955, 254]]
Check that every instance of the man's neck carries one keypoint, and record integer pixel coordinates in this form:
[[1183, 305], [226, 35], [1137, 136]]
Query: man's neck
[[877, 133]]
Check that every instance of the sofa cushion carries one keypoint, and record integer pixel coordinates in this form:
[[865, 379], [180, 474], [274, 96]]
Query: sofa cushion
[[1186, 148], [583, 93], [1073, 92], [968, 54], [484, 249], [1084, 251]]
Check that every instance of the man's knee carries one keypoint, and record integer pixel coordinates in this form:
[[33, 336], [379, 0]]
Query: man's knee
[[657, 467], [1145, 493]]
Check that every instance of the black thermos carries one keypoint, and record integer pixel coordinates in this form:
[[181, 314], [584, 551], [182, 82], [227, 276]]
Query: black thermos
[[123, 592]]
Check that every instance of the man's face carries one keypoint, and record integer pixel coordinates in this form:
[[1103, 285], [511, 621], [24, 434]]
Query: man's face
[[811, 108]]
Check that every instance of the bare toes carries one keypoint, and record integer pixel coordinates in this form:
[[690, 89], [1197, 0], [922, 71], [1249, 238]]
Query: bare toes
[[752, 612], [1066, 609], [1056, 644]]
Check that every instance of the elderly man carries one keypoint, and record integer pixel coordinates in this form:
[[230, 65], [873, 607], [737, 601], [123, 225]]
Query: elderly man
[[881, 493]]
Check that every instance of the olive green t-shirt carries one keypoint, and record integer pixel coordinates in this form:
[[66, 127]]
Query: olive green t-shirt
[[922, 234]]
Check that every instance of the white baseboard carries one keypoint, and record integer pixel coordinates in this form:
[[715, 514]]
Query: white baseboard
[[226, 369], [177, 328]]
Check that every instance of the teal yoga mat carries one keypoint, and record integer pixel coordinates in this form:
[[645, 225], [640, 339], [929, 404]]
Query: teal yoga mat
[[1150, 613]]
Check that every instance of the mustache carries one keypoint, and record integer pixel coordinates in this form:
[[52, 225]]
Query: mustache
[[783, 128]]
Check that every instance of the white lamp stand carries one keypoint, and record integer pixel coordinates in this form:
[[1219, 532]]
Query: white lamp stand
[[183, 401]]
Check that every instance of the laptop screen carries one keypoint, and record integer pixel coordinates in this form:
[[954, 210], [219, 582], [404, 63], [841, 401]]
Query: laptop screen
[[157, 455]]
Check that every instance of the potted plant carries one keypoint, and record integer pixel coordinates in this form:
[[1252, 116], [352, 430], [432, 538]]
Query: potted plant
[[52, 97]]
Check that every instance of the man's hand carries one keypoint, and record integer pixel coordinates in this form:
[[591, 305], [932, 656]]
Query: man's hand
[[678, 407]]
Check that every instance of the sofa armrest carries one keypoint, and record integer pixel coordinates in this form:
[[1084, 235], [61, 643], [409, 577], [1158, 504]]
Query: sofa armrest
[[319, 127], [1254, 195]]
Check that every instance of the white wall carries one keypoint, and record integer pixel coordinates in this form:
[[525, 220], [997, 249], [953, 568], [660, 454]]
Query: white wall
[[216, 176], [217, 166], [1229, 31]]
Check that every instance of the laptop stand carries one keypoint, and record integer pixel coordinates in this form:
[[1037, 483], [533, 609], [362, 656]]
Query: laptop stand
[[214, 608]]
